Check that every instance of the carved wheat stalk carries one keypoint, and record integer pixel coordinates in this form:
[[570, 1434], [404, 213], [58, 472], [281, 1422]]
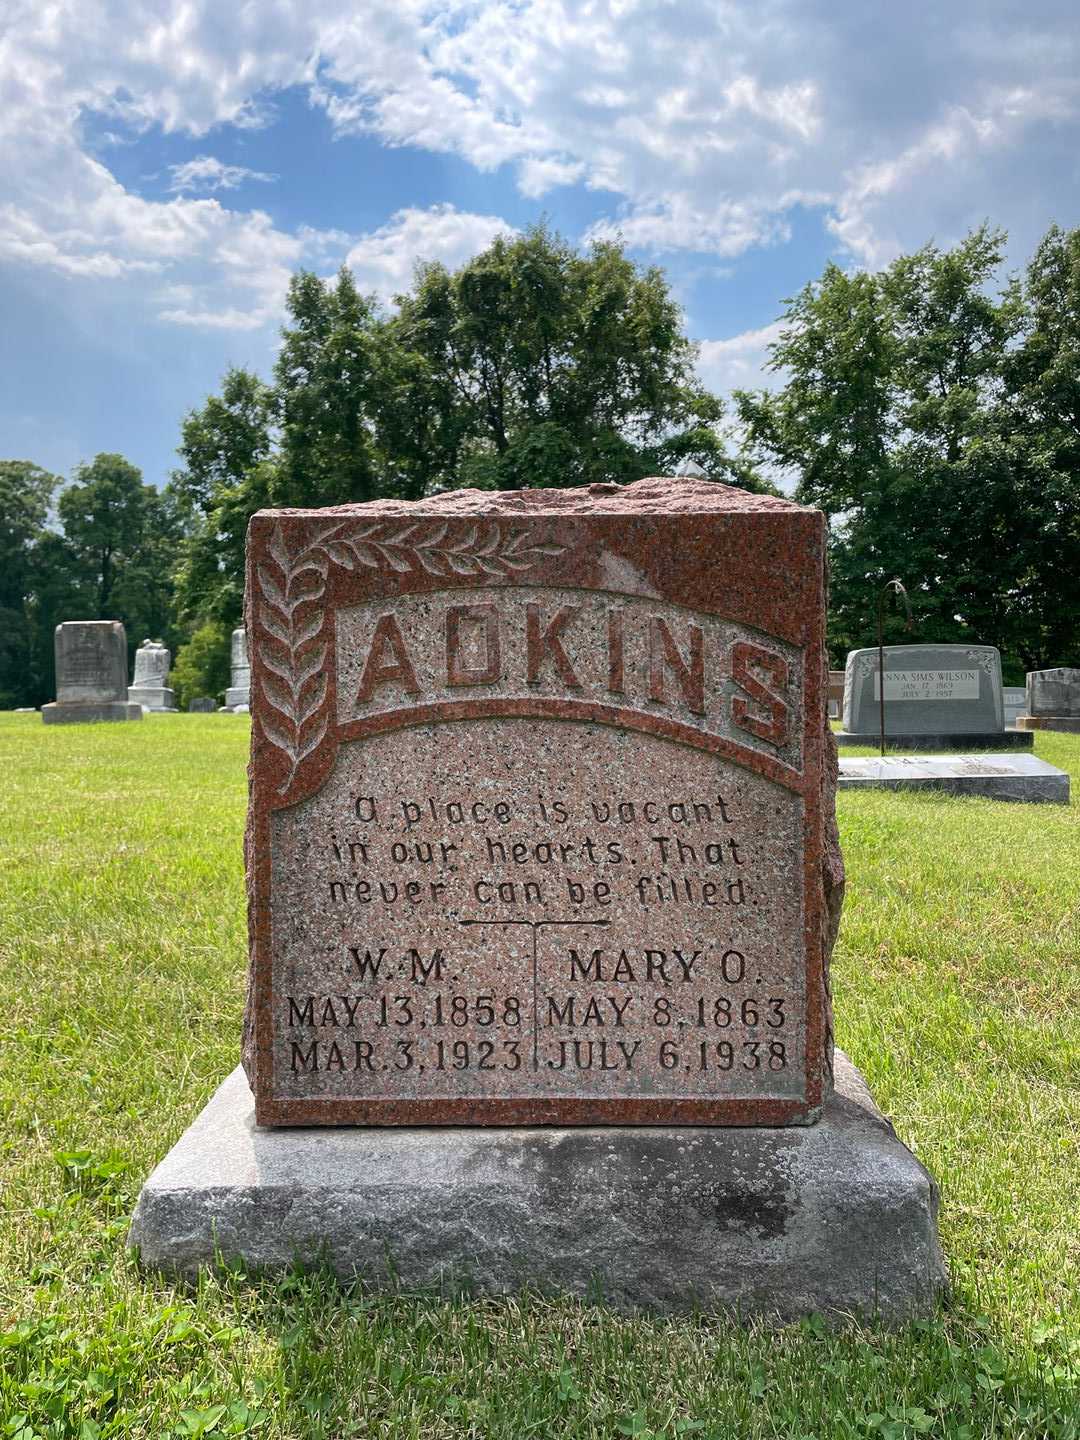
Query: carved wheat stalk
[[291, 618]]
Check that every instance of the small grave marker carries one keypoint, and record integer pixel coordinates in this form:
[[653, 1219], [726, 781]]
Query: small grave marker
[[239, 691], [1053, 701], [150, 683]]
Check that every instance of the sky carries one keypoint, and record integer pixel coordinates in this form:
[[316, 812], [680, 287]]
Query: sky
[[166, 165]]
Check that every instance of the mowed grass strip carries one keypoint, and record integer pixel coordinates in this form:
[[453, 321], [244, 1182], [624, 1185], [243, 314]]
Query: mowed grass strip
[[122, 941]]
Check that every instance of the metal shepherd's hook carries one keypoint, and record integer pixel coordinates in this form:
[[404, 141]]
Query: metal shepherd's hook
[[895, 586]]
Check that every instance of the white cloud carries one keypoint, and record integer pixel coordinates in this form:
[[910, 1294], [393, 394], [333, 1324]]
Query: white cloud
[[739, 362], [207, 173], [537, 177], [66, 211], [680, 223], [383, 260], [711, 121], [708, 123], [877, 213]]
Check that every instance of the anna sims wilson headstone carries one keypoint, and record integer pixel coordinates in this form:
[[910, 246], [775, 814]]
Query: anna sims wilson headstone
[[541, 824], [936, 697]]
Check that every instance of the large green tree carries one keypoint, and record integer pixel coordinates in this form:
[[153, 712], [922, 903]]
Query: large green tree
[[121, 538], [324, 395], [532, 365], [225, 477], [1043, 374], [305, 439], [26, 492], [535, 365], [903, 418]]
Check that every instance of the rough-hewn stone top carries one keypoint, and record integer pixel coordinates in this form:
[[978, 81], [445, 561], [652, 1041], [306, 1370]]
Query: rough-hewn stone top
[[670, 495]]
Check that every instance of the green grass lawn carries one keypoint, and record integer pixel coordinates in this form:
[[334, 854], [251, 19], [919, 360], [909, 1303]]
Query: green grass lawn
[[122, 941]]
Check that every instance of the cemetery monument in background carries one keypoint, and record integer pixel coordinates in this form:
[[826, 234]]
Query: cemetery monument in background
[[150, 684], [937, 697], [91, 674]]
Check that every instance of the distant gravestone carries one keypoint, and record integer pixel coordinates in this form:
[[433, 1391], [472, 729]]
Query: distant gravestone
[[91, 674], [936, 697], [202, 705], [150, 685], [1013, 699], [541, 834], [239, 691], [836, 694], [1053, 701]]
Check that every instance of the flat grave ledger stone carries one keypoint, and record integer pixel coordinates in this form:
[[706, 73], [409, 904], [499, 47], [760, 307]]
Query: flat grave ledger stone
[[997, 777], [541, 824], [936, 697], [1053, 701], [202, 705], [239, 691], [91, 674], [150, 683]]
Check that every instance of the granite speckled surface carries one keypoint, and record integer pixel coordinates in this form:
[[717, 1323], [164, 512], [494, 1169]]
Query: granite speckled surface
[[541, 826]]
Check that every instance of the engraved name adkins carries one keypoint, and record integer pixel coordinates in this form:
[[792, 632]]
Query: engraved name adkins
[[545, 861]]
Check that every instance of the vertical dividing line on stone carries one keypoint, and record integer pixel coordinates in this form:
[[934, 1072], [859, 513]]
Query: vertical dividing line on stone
[[536, 997], [534, 926]]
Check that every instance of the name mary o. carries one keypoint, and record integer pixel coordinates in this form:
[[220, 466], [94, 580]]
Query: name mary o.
[[627, 655]]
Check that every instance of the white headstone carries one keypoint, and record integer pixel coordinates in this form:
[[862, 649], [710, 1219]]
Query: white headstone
[[239, 691], [150, 686]]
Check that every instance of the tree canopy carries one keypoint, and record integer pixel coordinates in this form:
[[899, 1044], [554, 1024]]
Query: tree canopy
[[933, 418], [931, 410], [26, 493], [532, 365]]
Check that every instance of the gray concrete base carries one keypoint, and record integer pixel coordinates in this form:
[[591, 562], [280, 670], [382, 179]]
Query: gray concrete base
[[1064, 724], [153, 697], [989, 740], [237, 695], [836, 1218], [71, 712], [1000, 777]]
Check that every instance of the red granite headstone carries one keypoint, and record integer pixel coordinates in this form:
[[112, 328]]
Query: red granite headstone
[[541, 824]]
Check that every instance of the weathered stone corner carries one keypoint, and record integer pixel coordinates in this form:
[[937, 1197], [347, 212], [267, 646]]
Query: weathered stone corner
[[837, 1218]]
